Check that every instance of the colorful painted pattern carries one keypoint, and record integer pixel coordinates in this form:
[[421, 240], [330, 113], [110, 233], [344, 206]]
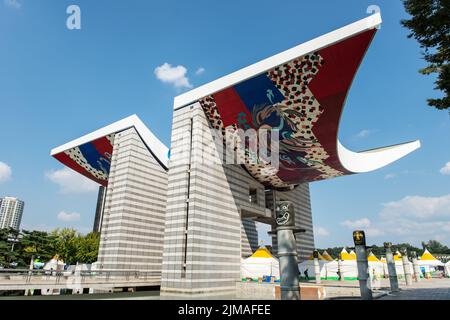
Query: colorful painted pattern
[[303, 99], [92, 159]]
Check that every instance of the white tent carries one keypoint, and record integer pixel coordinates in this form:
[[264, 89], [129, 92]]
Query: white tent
[[308, 265], [349, 269], [428, 263], [54, 264], [327, 256], [260, 264], [346, 266], [447, 269], [376, 267]]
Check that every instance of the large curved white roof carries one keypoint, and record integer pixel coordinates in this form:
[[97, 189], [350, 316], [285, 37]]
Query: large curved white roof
[[90, 154]]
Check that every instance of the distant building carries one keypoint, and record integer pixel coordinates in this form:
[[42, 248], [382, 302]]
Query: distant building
[[11, 210], [130, 164]]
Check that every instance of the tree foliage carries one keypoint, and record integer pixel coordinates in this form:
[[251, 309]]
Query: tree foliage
[[68, 244], [436, 247], [430, 26]]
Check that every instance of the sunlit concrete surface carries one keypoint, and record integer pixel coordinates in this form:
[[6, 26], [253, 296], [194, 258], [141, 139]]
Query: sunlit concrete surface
[[433, 289]]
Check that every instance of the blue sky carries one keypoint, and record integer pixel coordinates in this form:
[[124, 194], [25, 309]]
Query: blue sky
[[57, 84]]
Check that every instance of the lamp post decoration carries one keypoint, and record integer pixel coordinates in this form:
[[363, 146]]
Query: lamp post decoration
[[287, 250], [359, 238]]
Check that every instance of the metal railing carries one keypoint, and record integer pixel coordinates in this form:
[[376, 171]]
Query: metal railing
[[84, 275]]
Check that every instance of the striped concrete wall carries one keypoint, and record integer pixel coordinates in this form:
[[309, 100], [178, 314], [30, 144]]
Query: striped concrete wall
[[134, 213], [249, 237]]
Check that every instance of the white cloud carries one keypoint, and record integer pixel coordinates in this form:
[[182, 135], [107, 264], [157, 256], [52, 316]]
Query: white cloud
[[13, 4], [68, 217], [390, 176], [417, 207], [5, 172], [363, 134], [200, 71], [173, 75], [446, 169], [357, 224], [374, 232], [411, 219], [70, 181], [321, 232]]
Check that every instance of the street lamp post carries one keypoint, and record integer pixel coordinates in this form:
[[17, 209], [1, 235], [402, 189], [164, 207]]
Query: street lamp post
[[416, 267], [406, 267], [391, 267], [287, 250], [359, 238]]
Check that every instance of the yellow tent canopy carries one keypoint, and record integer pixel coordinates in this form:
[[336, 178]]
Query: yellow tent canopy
[[327, 256], [397, 256], [352, 255], [262, 252], [427, 256], [347, 256], [372, 257], [311, 257]]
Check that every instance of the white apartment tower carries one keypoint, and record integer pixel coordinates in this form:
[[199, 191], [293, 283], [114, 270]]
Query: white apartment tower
[[11, 210]]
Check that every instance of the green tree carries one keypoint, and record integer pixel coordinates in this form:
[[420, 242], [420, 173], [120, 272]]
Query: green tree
[[10, 247], [73, 247], [435, 246], [65, 244], [87, 249], [38, 244], [430, 26]]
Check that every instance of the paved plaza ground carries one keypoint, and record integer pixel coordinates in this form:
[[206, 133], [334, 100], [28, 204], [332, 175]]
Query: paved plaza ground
[[433, 289], [426, 289]]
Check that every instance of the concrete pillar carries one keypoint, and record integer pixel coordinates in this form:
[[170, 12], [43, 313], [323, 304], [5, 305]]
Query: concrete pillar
[[406, 267], [287, 251], [391, 267], [316, 266], [359, 238], [416, 267]]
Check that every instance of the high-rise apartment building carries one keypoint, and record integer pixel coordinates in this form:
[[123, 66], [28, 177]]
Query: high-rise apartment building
[[11, 211]]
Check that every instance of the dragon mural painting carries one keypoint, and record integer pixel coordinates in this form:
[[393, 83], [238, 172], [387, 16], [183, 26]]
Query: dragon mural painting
[[303, 99]]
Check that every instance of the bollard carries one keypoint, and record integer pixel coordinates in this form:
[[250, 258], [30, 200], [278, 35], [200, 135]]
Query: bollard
[[287, 251], [406, 267], [391, 267], [316, 266], [416, 267], [359, 238]]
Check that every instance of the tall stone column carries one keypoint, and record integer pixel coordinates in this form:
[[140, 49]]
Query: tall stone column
[[206, 200], [359, 238], [406, 267], [391, 267], [287, 251]]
